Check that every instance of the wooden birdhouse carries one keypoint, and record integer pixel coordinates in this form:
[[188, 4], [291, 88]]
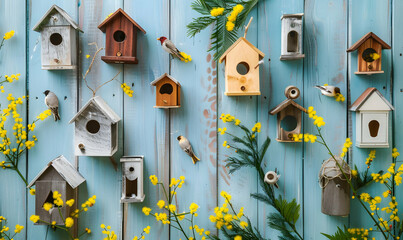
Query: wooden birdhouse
[[369, 53], [335, 187], [168, 92], [132, 179], [242, 61], [289, 115], [58, 39], [58, 175], [96, 129], [121, 38], [372, 119], [291, 36]]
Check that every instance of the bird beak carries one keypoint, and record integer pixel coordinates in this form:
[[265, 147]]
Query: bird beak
[[158, 39]]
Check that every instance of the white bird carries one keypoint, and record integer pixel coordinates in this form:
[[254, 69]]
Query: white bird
[[329, 91], [170, 47], [52, 103], [187, 148]]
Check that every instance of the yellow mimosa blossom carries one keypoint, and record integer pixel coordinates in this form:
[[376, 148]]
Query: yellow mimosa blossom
[[257, 127], [237, 237], [47, 206], [146, 211], [127, 90], [34, 218], [45, 114], [346, 146], [69, 222], [339, 97], [32, 191], [161, 203], [185, 57], [70, 202], [374, 56], [395, 153], [354, 173], [230, 26], [8, 35], [18, 228], [217, 11], [154, 179], [236, 10], [193, 208], [87, 56]]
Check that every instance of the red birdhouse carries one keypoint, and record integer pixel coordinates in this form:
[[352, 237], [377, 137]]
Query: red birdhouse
[[121, 38]]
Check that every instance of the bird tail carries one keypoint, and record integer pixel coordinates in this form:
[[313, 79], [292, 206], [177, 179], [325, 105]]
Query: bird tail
[[320, 87], [55, 112], [195, 159]]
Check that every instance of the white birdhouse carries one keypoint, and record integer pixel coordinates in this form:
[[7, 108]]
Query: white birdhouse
[[271, 178], [132, 179], [372, 119], [291, 36], [96, 129], [58, 39]]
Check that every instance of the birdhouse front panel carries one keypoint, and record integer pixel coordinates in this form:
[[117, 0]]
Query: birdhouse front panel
[[242, 71], [120, 43], [56, 47], [94, 134], [132, 170], [288, 123], [167, 93], [374, 129], [369, 57], [291, 37]]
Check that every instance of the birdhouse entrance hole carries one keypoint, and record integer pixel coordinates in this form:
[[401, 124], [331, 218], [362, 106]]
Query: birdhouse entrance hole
[[368, 55], [166, 89], [119, 36], [49, 198], [93, 126], [292, 41], [56, 39], [242, 68], [131, 188], [289, 123], [373, 128]]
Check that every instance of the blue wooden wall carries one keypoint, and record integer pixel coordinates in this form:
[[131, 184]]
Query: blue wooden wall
[[330, 26]]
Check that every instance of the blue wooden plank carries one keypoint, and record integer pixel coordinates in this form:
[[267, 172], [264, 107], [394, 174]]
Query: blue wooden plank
[[147, 128], [55, 138], [373, 16], [244, 182], [12, 60], [195, 119], [103, 175], [276, 76], [325, 63]]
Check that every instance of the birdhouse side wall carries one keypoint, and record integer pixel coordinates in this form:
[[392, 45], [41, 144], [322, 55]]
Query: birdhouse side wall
[[282, 134], [234, 81], [56, 56], [165, 99], [45, 187], [124, 48], [364, 66], [288, 25], [96, 144], [73, 46]]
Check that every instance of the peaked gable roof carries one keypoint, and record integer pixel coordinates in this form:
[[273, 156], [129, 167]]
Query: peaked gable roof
[[365, 38], [103, 25], [241, 39], [66, 171], [285, 104], [52, 10], [102, 106], [365, 96], [162, 77]]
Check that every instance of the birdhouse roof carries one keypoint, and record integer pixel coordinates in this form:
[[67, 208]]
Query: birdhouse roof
[[51, 11], [285, 104], [102, 106], [365, 38], [162, 77], [366, 95], [66, 171], [118, 12], [296, 15], [132, 158], [241, 39]]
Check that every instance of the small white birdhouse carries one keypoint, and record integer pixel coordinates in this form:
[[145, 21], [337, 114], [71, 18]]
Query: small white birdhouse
[[242, 61], [168, 92], [372, 119], [335, 187], [289, 116], [58, 175], [291, 36], [58, 39], [271, 178], [132, 179], [96, 129]]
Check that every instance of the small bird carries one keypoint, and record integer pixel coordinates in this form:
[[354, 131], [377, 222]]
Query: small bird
[[329, 91], [170, 47], [52, 103], [187, 148]]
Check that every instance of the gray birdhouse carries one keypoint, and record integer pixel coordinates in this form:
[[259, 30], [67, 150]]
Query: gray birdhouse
[[289, 116], [335, 187], [132, 179], [58, 39], [96, 129], [291, 36], [372, 119], [58, 175]]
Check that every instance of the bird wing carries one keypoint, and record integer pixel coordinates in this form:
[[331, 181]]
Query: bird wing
[[172, 48], [51, 100], [185, 145], [322, 88]]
